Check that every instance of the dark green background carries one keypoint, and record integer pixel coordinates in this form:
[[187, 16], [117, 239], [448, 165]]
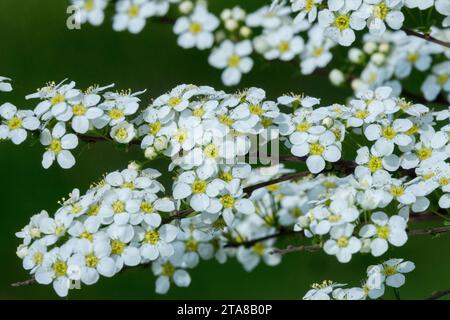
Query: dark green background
[[36, 47]]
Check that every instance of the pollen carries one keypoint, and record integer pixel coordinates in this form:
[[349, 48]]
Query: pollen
[[381, 11], [121, 134], [266, 122], [15, 123], [191, 245], [424, 153], [303, 126], [146, 207], [342, 242], [335, 218], [234, 60], [89, 5], [181, 136], [93, 210], [227, 201], [256, 109], [199, 186], [38, 258], [116, 114], [283, 46], [129, 185], [412, 130], [317, 52], [195, 28], [211, 151], [91, 261], [444, 181], [442, 79], [389, 133], [88, 236], [133, 11], [55, 146], [397, 191], [151, 237], [273, 187], [389, 271], [174, 101], [167, 269], [259, 249], [198, 112], [412, 57], [309, 5], [59, 268], [79, 110], [117, 247], [383, 232], [226, 176], [57, 99], [296, 212], [342, 22], [226, 120], [362, 114], [118, 206], [316, 149]]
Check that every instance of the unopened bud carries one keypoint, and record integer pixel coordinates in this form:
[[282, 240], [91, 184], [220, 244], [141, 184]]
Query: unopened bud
[[22, 251], [185, 7], [150, 153], [336, 77], [160, 143]]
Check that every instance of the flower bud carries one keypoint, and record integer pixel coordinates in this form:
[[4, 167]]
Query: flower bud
[[356, 84], [355, 55], [336, 77], [378, 58], [35, 233], [160, 143], [245, 31], [185, 7], [238, 13], [365, 248], [328, 122], [370, 47], [225, 14], [384, 47], [231, 24], [150, 153], [133, 165], [22, 251]]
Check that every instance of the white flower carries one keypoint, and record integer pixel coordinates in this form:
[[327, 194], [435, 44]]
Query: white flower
[[193, 245], [342, 244], [132, 15], [231, 200], [283, 44], [196, 30], [251, 257], [16, 123], [317, 51], [322, 291], [94, 260], [385, 229], [305, 8], [388, 134], [4, 85], [124, 132], [122, 252], [339, 26], [318, 148], [82, 111], [157, 242], [91, 11], [381, 11], [167, 269], [234, 59], [58, 145], [268, 17], [436, 82]]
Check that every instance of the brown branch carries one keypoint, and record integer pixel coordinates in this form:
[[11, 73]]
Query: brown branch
[[249, 243], [426, 37], [24, 283], [289, 249], [438, 294], [429, 231]]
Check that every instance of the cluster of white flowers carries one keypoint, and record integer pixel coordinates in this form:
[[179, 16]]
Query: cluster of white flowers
[[298, 30], [389, 273], [390, 59], [213, 209]]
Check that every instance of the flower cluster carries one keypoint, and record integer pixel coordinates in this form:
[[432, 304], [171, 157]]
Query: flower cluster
[[219, 206], [298, 30], [389, 273]]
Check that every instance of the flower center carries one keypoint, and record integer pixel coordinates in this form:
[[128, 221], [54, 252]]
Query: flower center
[[146, 207], [362, 114], [266, 122], [174, 101], [118, 207], [121, 134], [38, 258], [88, 236], [442, 79], [381, 11], [133, 11], [397, 191], [15, 123], [115, 114], [227, 201], [389, 271], [181, 136], [424, 153], [117, 247], [151, 237], [91, 261], [259, 249], [199, 186], [167, 269], [335, 218], [256, 109], [89, 5], [191, 245], [195, 28], [316, 149], [55, 146], [234, 61], [93, 210], [211, 151], [342, 22], [57, 99], [283, 47], [199, 112], [79, 110], [303, 126], [383, 232], [309, 5], [412, 57], [444, 181], [389, 133], [342, 242], [225, 120], [59, 268], [226, 176], [317, 52]]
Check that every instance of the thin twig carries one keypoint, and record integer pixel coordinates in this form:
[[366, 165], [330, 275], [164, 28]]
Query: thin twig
[[438, 294], [426, 37], [289, 249], [429, 231]]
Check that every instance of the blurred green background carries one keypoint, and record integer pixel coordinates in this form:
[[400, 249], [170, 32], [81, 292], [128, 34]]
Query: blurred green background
[[36, 47]]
